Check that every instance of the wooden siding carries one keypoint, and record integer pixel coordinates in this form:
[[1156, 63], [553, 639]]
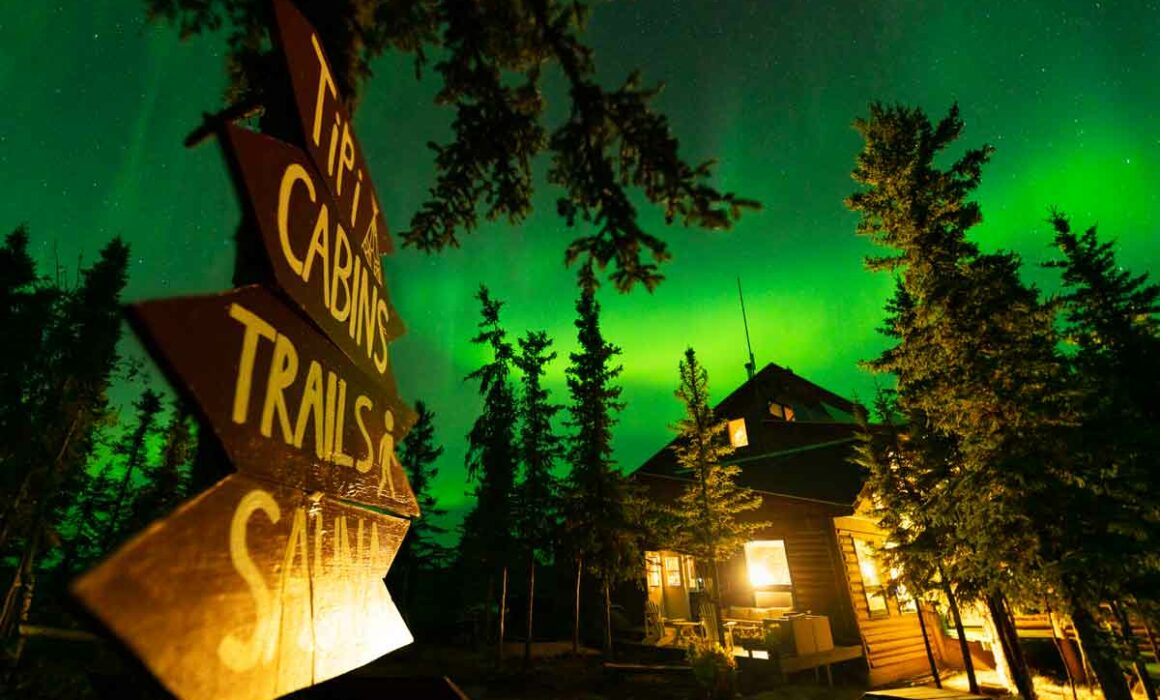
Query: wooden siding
[[892, 642]]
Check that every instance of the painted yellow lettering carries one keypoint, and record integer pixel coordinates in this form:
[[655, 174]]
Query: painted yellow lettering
[[311, 407], [320, 247], [384, 318], [240, 654], [292, 174], [341, 458], [283, 370], [346, 156], [325, 85], [343, 266], [256, 327]]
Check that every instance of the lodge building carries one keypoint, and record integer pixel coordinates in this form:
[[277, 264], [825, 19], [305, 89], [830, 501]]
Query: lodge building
[[814, 569]]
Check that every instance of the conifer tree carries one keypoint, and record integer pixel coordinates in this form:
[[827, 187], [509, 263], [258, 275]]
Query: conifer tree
[[421, 549], [135, 452], [601, 532], [1114, 516], [708, 510], [167, 482], [906, 473], [66, 403], [537, 494], [977, 363], [492, 460], [492, 62]]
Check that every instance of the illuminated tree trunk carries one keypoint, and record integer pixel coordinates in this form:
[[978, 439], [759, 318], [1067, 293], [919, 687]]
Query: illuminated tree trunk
[[1009, 641], [1101, 655], [964, 648], [1063, 656], [926, 643], [1129, 641]]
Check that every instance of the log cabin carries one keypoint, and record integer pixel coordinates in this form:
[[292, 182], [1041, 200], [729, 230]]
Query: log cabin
[[814, 566]]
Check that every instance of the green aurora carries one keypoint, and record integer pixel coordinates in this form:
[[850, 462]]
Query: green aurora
[[97, 103]]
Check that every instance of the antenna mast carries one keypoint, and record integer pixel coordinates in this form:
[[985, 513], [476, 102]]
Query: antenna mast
[[751, 366]]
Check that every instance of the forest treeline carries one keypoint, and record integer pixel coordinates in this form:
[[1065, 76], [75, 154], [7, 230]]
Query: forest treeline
[[77, 476], [1018, 460]]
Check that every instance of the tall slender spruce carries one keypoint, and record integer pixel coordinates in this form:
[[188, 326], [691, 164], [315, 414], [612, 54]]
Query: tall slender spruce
[[537, 493], [600, 530], [492, 460]]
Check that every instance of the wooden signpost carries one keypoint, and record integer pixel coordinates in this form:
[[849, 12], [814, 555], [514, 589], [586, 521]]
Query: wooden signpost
[[272, 580]]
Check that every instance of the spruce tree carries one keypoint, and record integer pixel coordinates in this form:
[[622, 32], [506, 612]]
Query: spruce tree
[[66, 403], [167, 482], [708, 510], [601, 532], [421, 550], [1113, 529], [492, 459], [134, 450], [493, 60], [537, 494]]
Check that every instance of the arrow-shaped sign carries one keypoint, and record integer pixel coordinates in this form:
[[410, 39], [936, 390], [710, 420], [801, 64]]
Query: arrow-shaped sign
[[252, 590], [328, 132], [286, 405], [310, 249]]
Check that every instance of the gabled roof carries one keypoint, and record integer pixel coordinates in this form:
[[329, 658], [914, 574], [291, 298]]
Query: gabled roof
[[808, 457]]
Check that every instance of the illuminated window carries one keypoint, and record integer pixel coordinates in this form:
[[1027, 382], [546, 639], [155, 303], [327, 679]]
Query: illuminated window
[[781, 410], [871, 579], [691, 574], [738, 437], [673, 571], [652, 562], [767, 563]]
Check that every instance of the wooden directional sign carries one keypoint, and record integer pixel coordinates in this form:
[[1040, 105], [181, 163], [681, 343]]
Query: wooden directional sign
[[286, 405], [310, 249], [270, 582], [328, 132], [253, 590]]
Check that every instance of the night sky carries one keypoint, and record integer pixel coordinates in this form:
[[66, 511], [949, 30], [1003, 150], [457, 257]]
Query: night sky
[[96, 103]]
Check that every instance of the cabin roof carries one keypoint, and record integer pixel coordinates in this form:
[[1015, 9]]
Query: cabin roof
[[808, 457]]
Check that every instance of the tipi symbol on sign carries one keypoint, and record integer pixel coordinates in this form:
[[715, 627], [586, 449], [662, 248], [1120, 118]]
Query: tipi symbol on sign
[[370, 249]]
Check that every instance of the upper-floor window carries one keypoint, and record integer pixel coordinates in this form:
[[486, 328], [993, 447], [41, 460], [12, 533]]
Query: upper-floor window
[[781, 410]]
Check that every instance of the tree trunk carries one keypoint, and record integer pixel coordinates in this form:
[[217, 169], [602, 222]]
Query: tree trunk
[[1129, 641], [502, 613], [715, 600], [607, 620], [1063, 657], [1101, 654], [531, 608], [1009, 642], [926, 643], [20, 590], [485, 633], [964, 648], [576, 615]]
